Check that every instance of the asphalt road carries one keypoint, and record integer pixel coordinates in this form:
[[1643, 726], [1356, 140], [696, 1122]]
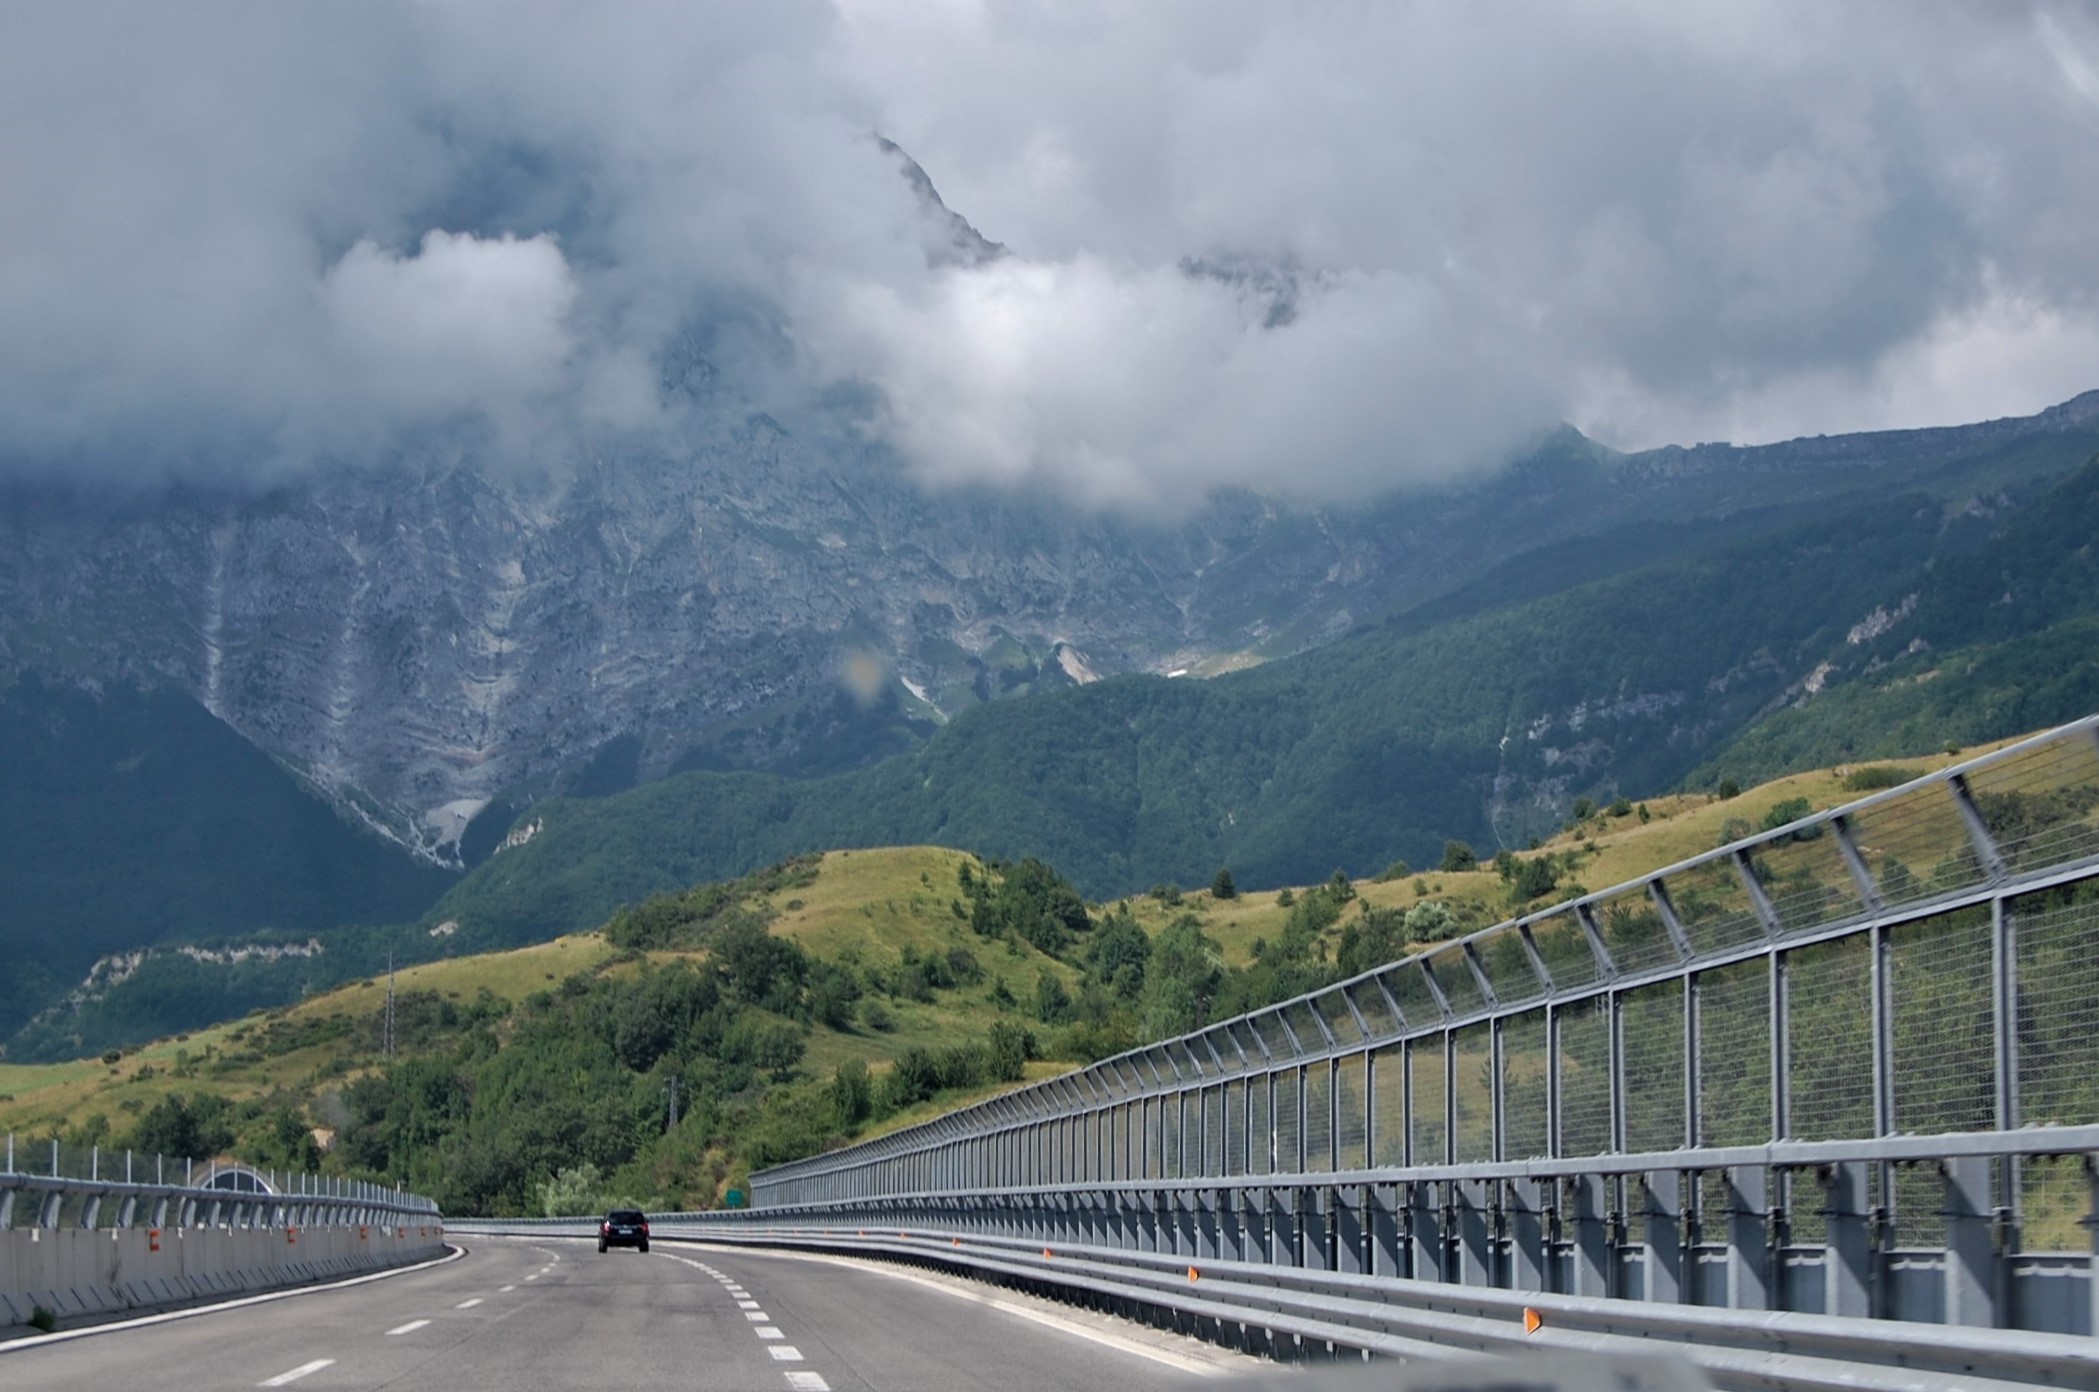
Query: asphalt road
[[522, 1314]]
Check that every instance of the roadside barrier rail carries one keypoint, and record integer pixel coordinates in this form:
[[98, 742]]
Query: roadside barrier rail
[[48, 1186]]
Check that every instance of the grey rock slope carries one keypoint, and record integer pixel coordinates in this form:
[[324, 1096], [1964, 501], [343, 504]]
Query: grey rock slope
[[416, 641]]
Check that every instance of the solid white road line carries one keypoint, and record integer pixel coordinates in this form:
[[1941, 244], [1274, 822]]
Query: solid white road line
[[785, 1353], [468, 1304], [807, 1382], [408, 1328], [295, 1374]]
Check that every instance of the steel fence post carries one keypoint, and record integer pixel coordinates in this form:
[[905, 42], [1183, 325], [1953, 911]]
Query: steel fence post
[[1662, 1212], [1426, 1244], [1528, 1254], [1971, 1249], [1848, 1277], [1475, 1237], [1381, 1211], [1749, 1189], [1593, 1261]]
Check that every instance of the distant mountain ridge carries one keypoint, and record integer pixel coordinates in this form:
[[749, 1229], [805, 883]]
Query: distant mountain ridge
[[417, 642]]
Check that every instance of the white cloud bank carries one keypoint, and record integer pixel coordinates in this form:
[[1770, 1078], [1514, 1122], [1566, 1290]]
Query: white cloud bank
[[1326, 248]]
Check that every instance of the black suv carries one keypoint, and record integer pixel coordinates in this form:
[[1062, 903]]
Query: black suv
[[624, 1227]]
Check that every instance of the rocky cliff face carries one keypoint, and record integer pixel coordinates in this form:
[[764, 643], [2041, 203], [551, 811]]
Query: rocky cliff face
[[417, 641]]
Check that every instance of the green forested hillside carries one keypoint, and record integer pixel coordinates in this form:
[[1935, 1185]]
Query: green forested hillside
[[1482, 727], [2002, 637], [133, 817]]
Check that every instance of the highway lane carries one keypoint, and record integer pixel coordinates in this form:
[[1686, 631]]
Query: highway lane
[[545, 1314]]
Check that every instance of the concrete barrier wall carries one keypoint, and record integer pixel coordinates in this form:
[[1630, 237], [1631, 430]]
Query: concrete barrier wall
[[75, 1273]]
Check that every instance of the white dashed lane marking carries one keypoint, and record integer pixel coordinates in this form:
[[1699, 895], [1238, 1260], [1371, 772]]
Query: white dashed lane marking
[[506, 1290], [283, 1379], [770, 1331], [757, 1316], [408, 1328], [468, 1304], [746, 1304], [807, 1382], [785, 1353]]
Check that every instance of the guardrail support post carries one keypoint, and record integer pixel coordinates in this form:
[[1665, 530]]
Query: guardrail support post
[[1663, 1269], [1425, 1240], [1475, 1254], [1749, 1238], [1207, 1244], [1260, 1233], [1231, 1228], [1971, 1249], [1381, 1215], [1848, 1277], [1283, 1219], [1527, 1254], [1590, 1217], [1321, 1210], [1351, 1245]]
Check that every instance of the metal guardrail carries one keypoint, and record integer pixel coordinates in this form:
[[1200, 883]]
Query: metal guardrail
[[47, 1186]]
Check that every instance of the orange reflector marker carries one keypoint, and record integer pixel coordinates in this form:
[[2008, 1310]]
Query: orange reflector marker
[[153, 1239], [958, 1242], [1193, 1275], [291, 1237], [1047, 1254], [1532, 1320]]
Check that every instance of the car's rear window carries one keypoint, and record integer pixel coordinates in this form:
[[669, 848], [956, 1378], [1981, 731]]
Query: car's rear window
[[624, 1215]]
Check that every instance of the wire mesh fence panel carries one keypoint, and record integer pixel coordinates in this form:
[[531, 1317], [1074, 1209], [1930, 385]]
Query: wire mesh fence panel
[[1428, 1097], [2057, 956], [1260, 1126], [1829, 1039], [1351, 1112], [1377, 1015], [2042, 805], [1585, 1076], [1525, 1068], [1388, 1106], [1806, 1222], [1174, 1138], [1319, 1118], [1289, 1153], [1916, 845], [1508, 966], [2055, 1202], [1409, 986], [1454, 975], [1269, 1025], [1734, 1054], [1943, 1070], [1920, 1207], [1235, 1128], [1154, 1136], [1213, 1130], [1713, 906], [1306, 1025], [1564, 948], [1633, 932], [1807, 879], [1332, 1007], [1472, 1092], [1652, 1019]]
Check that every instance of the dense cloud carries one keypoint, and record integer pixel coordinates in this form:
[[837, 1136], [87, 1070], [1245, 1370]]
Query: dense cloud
[[1324, 248]]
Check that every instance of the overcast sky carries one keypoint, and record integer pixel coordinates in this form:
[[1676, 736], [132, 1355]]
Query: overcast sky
[[1319, 247]]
